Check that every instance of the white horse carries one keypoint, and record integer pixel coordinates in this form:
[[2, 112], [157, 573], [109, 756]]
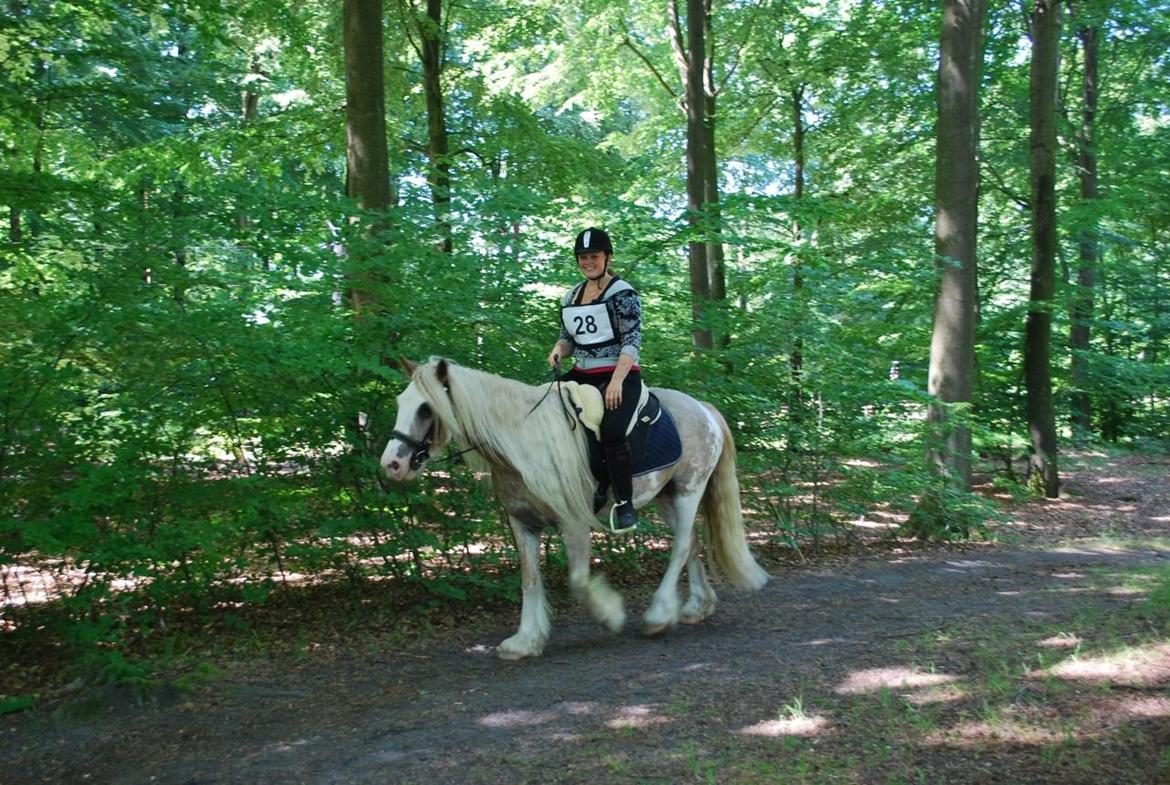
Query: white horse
[[540, 471]]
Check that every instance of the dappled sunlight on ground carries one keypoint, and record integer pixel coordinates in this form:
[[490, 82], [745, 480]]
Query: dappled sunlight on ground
[[619, 717], [1095, 717], [1003, 730], [938, 693], [517, 719], [875, 679], [636, 717], [966, 564], [1137, 707], [1140, 666], [793, 726], [829, 642], [1125, 591], [1062, 641]]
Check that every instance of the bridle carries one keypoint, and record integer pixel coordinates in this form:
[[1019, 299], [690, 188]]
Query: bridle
[[420, 450]]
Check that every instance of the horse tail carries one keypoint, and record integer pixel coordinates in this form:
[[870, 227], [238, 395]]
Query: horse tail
[[723, 517]]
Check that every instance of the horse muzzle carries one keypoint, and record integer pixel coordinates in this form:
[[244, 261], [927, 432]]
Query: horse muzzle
[[401, 465]]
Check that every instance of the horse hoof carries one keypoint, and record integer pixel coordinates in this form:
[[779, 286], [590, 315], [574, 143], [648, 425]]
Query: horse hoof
[[513, 651], [654, 629], [694, 617], [512, 656]]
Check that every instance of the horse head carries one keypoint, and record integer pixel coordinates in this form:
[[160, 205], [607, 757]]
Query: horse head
[[418, 432]]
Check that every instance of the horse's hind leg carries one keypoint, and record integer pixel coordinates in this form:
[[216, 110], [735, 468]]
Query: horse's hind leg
[[679, 512], [702, 600], [603, 602], [532, 635]]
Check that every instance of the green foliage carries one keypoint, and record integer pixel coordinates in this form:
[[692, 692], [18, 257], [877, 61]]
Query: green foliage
[[191, 416], [945, 514]]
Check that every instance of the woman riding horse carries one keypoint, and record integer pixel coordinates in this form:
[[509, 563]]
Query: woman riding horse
[[601, 325]]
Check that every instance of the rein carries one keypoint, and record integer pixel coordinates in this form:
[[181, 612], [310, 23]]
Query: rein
[[556, 379], [421, 449]]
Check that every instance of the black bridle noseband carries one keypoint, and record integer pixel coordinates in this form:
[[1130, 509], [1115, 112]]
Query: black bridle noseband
[[420, 450]]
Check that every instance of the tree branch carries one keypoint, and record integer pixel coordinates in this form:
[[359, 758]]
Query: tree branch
[[676, 42], [626, 42], [408, 14], [735, 59], [760, 117], [1003, 187]]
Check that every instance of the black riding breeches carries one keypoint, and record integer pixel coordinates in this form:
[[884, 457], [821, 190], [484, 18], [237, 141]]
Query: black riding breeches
[[614, 422], [614, 425]]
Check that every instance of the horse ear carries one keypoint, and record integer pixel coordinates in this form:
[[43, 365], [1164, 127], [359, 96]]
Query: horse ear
[[407, 366], [441, 373]]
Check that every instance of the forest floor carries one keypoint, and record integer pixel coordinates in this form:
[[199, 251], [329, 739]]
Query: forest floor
[[1043, 658]]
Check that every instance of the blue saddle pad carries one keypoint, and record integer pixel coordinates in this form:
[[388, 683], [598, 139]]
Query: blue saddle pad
[[663, 446], [654, 443]]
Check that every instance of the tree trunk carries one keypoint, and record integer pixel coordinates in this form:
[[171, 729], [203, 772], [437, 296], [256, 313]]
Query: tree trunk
[[1045, 27], [1090, 253], [439, 175], [367, 160], [249, 111], [32, 219], [696, 176], [956, 221], [179, 222], [250, 99], [796, 357], [956, 198], [716, 274], [705, 250], [716, 271]]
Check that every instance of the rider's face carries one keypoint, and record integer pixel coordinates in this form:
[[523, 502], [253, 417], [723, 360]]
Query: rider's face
[[592, 263]]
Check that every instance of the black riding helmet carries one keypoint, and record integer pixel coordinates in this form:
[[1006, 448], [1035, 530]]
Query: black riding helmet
[[592, 239]]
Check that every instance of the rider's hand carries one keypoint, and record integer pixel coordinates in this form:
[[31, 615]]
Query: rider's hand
[[554, 358], [613, 395]]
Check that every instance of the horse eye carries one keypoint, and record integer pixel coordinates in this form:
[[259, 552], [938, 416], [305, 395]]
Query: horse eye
[[424, 412]]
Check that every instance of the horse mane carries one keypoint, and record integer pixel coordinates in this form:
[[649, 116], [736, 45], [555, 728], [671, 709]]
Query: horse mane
[[509, 422]]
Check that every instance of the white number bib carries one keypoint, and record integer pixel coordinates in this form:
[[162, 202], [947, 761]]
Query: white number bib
[[589, 325]]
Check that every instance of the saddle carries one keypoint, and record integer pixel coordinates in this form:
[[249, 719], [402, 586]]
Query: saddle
[[652, 434]]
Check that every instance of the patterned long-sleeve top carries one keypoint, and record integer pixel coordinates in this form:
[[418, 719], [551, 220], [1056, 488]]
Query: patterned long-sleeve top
[[624, 308]]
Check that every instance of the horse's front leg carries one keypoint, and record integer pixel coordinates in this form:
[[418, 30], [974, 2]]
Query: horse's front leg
[[535, 624], [603, 601]]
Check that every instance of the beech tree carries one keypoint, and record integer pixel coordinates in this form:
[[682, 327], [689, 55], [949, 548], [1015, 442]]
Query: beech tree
[[956, 195], [1088, 247], [367, 158], [429, 42], [1044, 29], [706, 273]]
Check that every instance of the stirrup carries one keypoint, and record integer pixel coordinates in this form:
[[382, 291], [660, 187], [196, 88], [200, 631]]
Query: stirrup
[[615, 526]]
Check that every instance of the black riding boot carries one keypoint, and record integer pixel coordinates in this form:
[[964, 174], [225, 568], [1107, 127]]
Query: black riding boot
[[623, 517]]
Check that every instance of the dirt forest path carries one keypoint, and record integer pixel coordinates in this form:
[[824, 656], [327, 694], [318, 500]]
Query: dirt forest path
[[1031, 662]]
